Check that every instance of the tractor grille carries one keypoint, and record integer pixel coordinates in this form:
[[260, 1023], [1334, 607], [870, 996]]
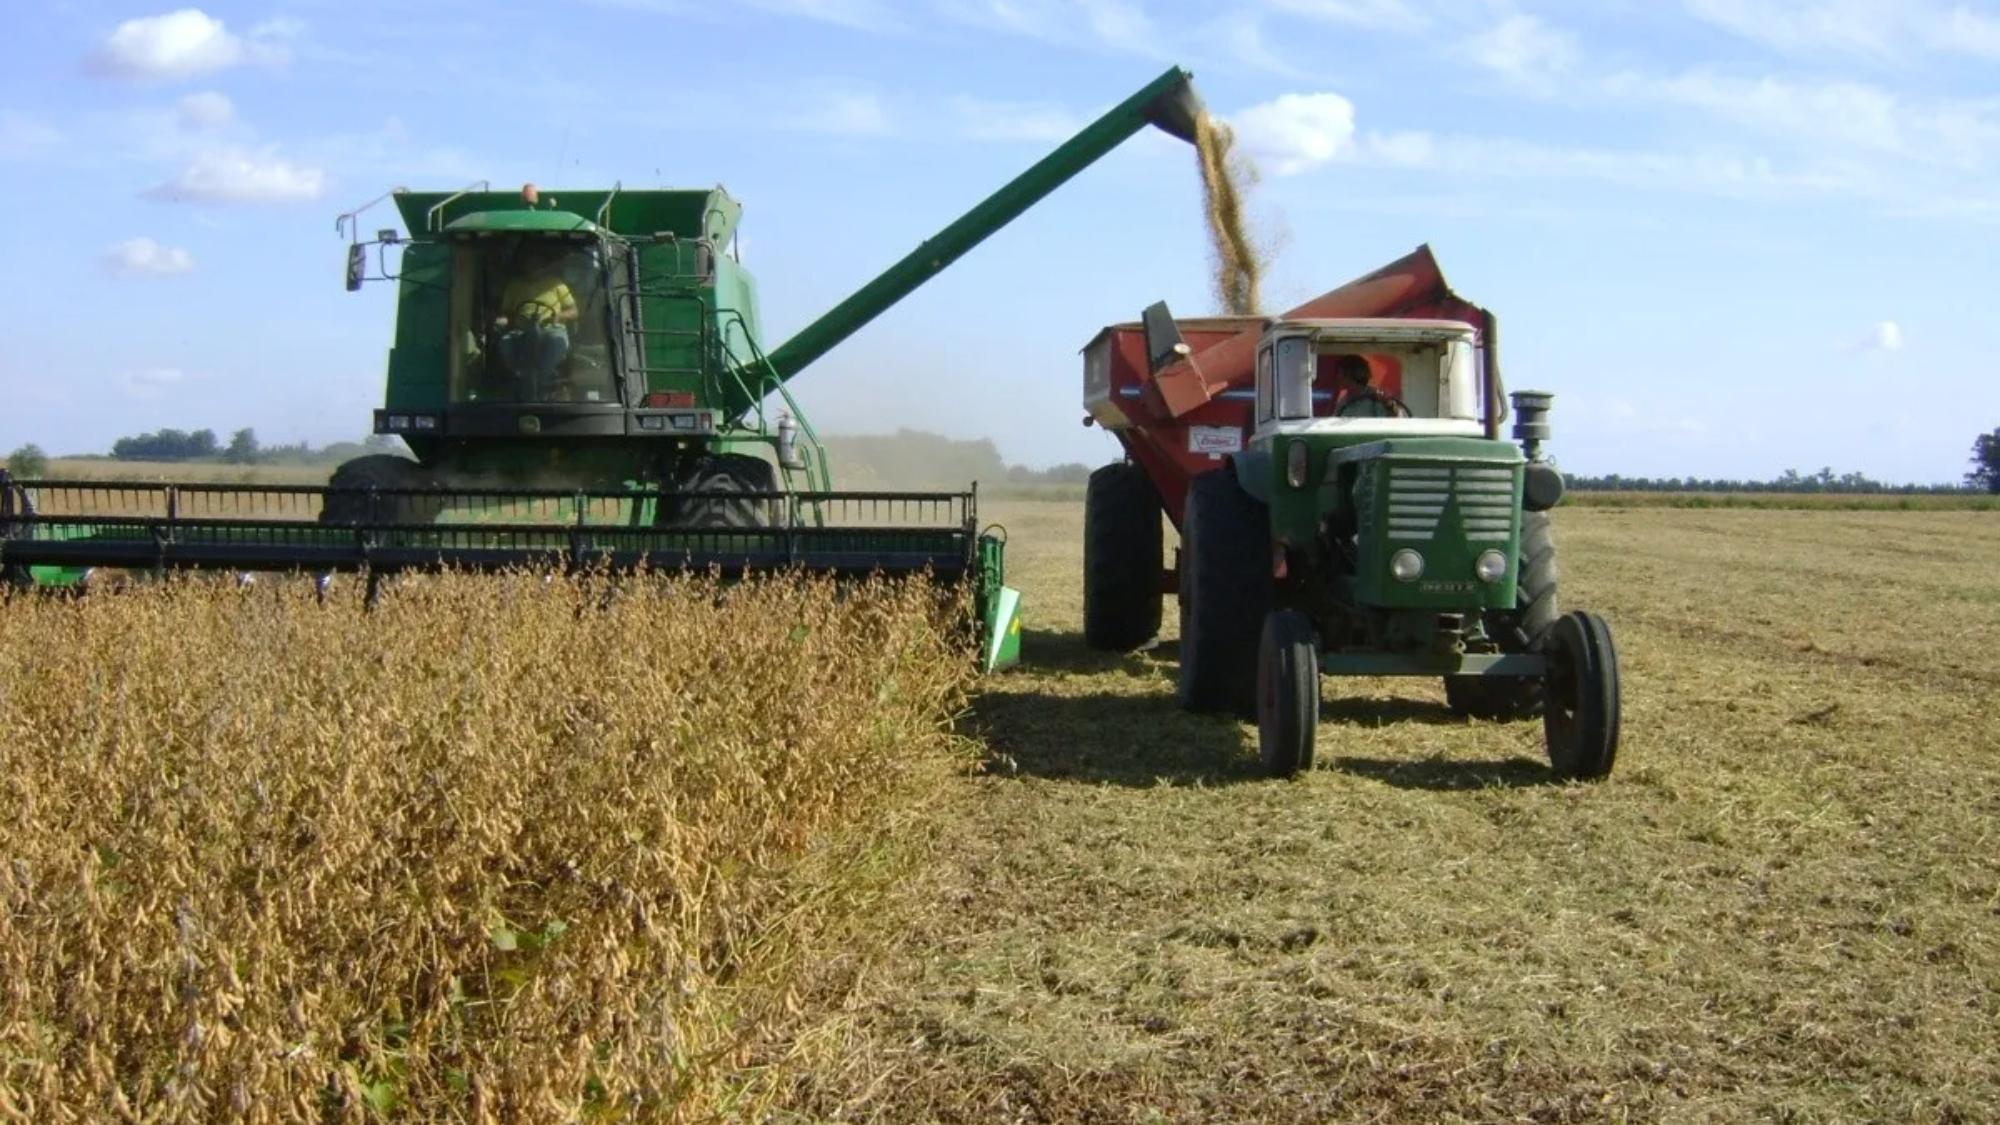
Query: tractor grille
[[1420, 494]]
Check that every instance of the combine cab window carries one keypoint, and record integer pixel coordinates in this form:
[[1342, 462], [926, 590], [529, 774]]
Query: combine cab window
[[531, 322]]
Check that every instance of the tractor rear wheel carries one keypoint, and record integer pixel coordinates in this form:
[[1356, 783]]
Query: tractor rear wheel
[[722, 474], [1123, 558], [1225, 590], [1287, 693], [1581, 720], [350, 502], [1521, 629]]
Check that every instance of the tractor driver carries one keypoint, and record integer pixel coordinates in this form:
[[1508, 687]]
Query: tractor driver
[[536, 312], [1359, 397]]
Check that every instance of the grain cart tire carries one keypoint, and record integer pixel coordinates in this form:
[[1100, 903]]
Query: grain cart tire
[[379, 470], [1521, 629], [1581, 720], [1123, 558], [1225, 590], [1287, 693], [726, 473]]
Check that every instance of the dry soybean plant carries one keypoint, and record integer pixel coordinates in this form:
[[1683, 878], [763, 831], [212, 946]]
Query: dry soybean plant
[[509, 848]]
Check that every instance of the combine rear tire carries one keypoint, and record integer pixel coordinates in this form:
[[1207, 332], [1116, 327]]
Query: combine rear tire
[[721, 474], [1521, 629], [1225, 590], [1287, 693], [379, 471], [1123, 559], [1581, 722]]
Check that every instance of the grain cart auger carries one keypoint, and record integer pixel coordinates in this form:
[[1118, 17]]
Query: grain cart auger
[[581, 376], [1346, 506]]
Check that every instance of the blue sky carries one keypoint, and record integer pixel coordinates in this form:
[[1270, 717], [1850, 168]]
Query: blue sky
[[1734, 236]]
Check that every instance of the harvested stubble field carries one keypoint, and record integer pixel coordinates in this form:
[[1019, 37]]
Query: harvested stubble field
[[1782, 906]]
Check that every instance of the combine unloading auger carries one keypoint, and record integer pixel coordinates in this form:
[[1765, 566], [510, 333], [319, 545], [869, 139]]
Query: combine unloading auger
[[581, 378]]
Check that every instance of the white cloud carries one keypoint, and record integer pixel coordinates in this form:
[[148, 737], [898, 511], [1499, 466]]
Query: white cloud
[[143, 257], [983, 120], [151, 382], [1524, 50], [1883, 30], [235, 175], [1295, 132], [847, 113], [205, 110], [184, 43]]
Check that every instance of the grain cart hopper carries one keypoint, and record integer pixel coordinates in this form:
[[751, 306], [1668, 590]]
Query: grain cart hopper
[[1346, 505], [580, 376]]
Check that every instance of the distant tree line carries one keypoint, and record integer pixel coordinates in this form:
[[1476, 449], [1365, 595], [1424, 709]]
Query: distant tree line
[[1791, 480], [243, 448]]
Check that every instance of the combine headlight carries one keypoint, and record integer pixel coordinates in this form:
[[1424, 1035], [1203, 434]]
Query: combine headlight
[[423, 422], [1295, 464], [1490, 566], [1406, 565]]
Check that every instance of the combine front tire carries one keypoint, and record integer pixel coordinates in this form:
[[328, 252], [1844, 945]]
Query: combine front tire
[[1287, 693], [1225, 590], [1521, 629], [1123, 559], [720, 475], [350, 502], [1581, 720]]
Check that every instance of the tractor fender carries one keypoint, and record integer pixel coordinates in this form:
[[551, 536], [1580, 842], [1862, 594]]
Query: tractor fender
[[1253, 472]]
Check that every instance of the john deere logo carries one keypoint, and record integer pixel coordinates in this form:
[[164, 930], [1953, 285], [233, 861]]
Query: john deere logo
[[530, 424]]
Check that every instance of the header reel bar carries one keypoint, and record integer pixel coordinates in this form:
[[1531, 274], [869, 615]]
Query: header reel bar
[[127, 525]]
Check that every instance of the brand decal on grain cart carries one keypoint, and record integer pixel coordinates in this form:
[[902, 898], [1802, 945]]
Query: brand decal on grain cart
[[581, 377]]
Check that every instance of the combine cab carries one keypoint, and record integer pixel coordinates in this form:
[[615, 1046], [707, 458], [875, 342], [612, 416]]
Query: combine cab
[[581, 380]]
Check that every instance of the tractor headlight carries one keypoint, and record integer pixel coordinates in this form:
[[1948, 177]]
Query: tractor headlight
[[1490, 566], [1406, 565], [1295, 464]]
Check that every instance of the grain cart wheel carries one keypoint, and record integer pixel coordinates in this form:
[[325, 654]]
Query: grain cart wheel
[[1287, 693], [1224, 593], [379, 470], [726, 473], [1123, 558], [1581, 720], [1521, 629]]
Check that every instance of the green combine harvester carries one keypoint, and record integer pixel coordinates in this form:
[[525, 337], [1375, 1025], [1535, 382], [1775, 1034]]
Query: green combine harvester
[[582, 380]]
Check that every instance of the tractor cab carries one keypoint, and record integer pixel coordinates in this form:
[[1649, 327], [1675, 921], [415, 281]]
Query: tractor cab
[[1367, 378]]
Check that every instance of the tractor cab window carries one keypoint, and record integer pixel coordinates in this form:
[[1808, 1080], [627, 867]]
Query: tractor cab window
[[1430, 379], [531, 321]]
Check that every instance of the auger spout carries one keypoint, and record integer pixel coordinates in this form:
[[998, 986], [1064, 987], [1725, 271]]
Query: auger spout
[[1168, 102]]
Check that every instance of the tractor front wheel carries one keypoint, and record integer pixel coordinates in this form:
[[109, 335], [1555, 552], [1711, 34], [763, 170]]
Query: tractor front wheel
[[1287, 693], [1225, 590], [1580, 719], [1123, 559]]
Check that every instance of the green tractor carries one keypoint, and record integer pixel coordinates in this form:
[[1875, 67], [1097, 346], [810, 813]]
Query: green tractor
[[1377, 526], [580, 377]]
